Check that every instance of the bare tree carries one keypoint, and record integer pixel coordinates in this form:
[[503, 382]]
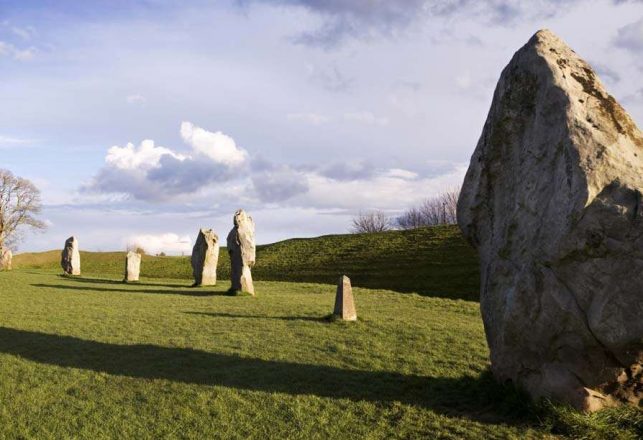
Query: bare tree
[[371, 221], [411, 219], [439, 210], [19, 206]]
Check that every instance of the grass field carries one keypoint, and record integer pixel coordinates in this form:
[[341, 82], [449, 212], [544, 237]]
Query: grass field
[[92, 357], [430, 261]]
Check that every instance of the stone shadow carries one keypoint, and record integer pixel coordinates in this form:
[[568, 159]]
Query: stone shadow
[[283, 318], [81, 279], [187, 292], [478, 398]]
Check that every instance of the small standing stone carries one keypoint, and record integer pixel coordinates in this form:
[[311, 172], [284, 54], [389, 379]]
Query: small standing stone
[[344, 304], [132, 266], [241, 247], [5, 258], [70, 258], [205, 256]]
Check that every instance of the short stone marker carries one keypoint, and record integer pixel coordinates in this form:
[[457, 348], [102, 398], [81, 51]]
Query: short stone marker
[[5, 258], [70, 258], [132, 266], [205, 256], [241, 247], [344, 304]]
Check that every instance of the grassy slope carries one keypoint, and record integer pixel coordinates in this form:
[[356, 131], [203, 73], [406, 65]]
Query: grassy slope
[[430, 261]]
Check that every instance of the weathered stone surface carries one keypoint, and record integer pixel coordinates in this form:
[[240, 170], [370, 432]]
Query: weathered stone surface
[[6, 256], [344, 303], [205, 256], [241, 247], [132, 266], [70, 257], [552, 200]]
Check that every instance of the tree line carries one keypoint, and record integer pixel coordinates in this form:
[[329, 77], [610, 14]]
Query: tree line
[[437, 210]]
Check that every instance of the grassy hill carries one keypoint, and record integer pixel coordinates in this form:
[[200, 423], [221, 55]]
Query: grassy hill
[[434, 261]]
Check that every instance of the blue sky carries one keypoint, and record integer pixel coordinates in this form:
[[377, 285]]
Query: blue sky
[[144, 121]]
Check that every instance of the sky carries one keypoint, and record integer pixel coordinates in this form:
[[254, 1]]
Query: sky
[[143, 121]]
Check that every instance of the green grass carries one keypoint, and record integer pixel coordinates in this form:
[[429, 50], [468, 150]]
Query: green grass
[[96, 358], [91, 357], [433, 261]]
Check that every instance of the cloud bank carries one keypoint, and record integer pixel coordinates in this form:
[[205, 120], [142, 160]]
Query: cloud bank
[[214, 170], [630, 37], [343, 20], [169, 243], [156, 173]]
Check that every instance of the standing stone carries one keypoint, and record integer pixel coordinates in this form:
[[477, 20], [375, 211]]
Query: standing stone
[[132, 266], [553, 202], [70, 258], [344, 304], [241, 247], [5, 258], [205, 256]]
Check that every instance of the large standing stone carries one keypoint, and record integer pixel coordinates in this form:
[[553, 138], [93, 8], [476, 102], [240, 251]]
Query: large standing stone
[[241, 247], [344, 303], [552, 200], [5, 258], [70, 258], [205, 256], [132, 266]]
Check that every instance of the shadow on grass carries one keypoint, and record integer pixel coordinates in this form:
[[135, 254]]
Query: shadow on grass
[[120, 282], [283, 318], [133, 289], [479, 398]]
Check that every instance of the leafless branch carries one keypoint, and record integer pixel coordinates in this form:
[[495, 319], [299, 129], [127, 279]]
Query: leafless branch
[[371, 221], [439, 210]]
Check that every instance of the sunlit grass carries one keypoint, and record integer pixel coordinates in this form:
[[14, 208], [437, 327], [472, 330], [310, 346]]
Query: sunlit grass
[[91, 358]]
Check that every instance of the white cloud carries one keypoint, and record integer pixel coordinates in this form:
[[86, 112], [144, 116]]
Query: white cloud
[[8, 141], [8, 49], [309, 118], [169, 243], [5, 48], [217, 146], [24, 54], [145, 157], [393, 190], [364, 117], [136, 99], [158, 173], [401, 174], [155, 173]]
